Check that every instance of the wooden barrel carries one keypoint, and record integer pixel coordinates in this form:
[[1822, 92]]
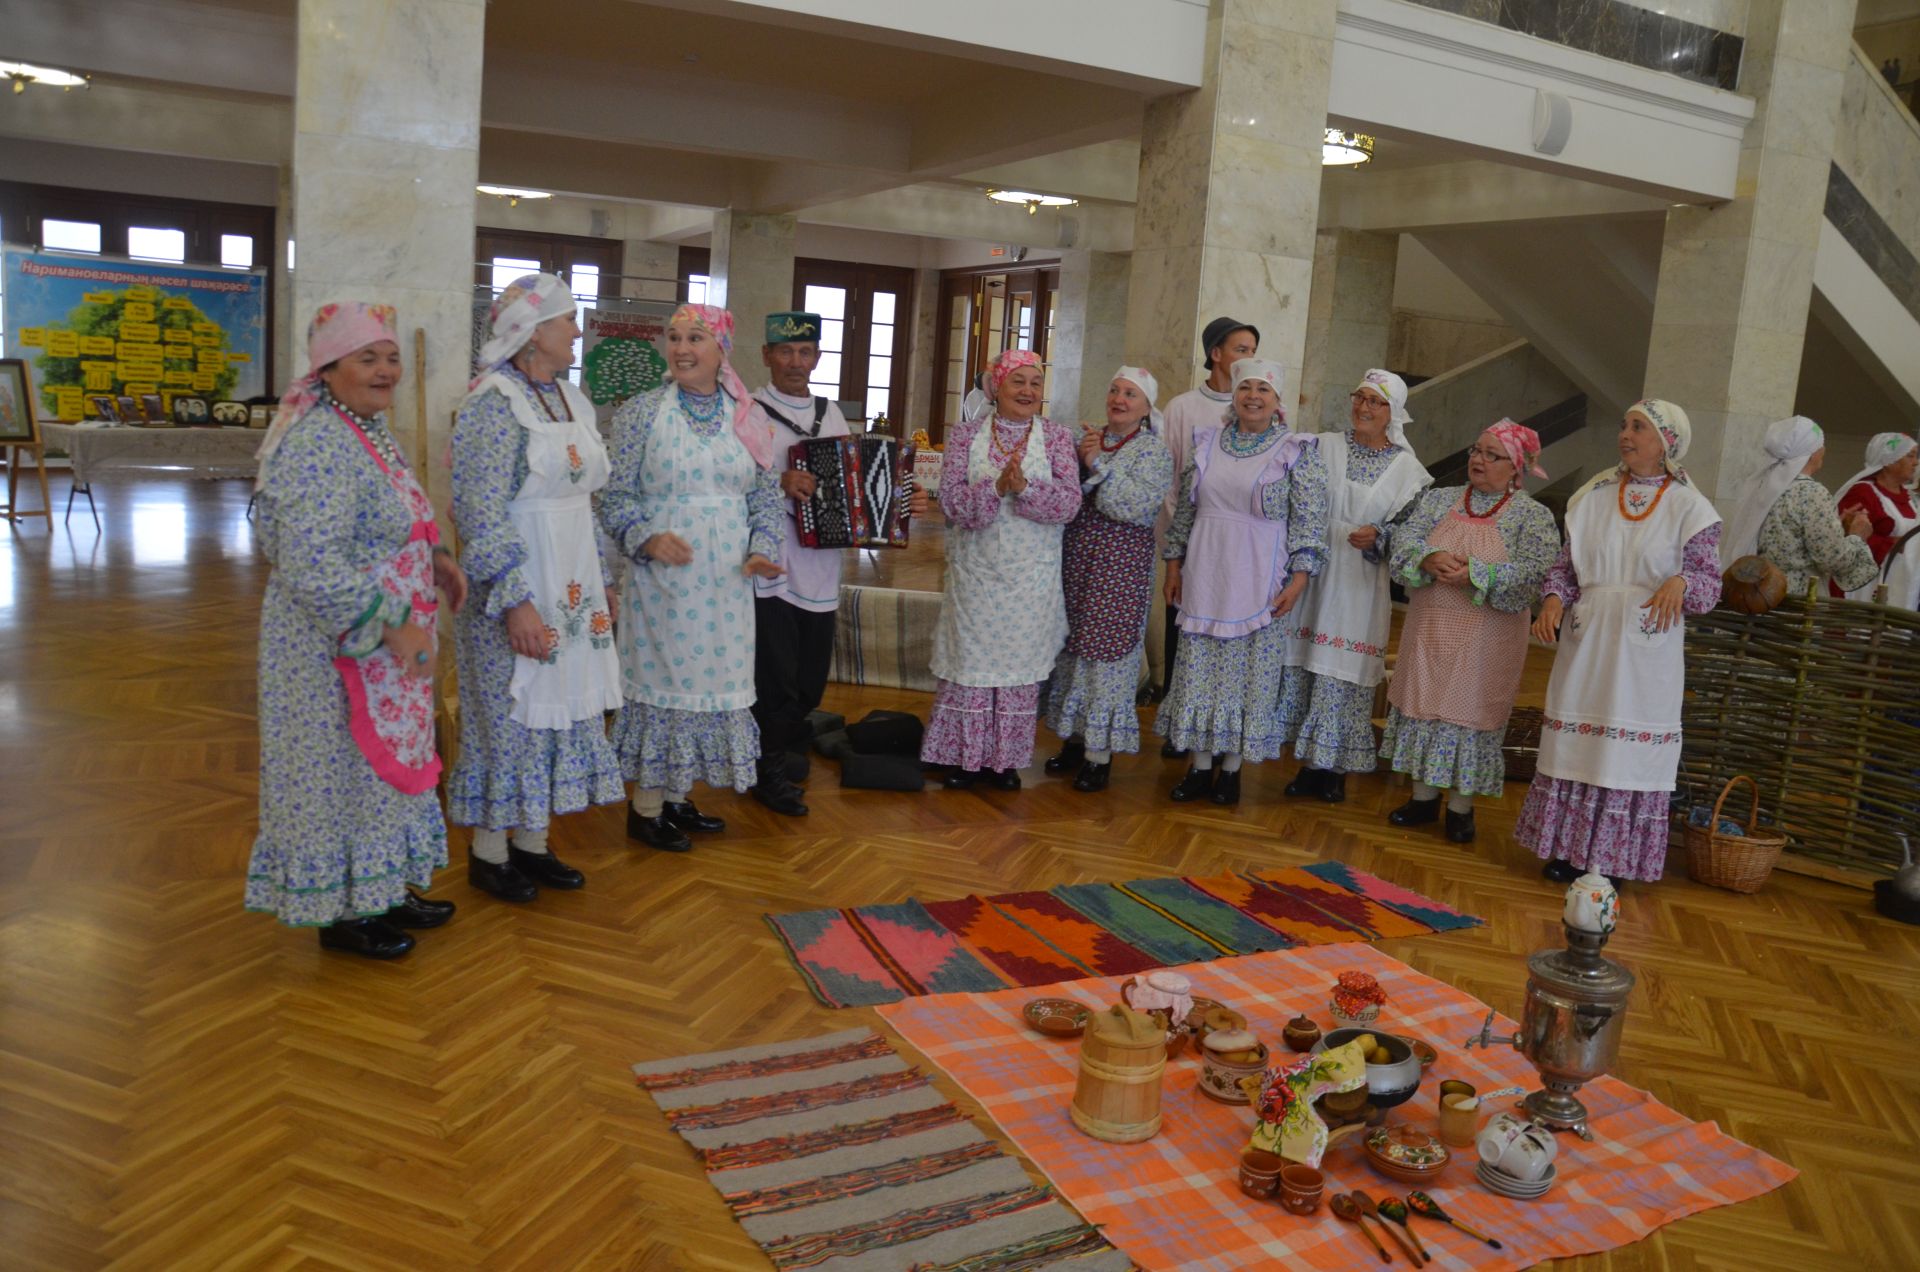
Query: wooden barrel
[[1118, 1095]]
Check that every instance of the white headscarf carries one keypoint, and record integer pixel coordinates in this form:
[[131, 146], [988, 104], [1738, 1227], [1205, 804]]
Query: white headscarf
[[1260, 369], [1884, 449], [1143, 379], [525, 304], [1789, 443], [1671, 423], [1394, 390], [977, 403]]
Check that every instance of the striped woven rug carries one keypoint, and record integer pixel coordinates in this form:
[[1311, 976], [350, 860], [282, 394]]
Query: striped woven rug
[[874, 954], [834, 1154]]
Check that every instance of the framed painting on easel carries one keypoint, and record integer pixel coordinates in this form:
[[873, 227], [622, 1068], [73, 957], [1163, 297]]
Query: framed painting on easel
[[19, 422]]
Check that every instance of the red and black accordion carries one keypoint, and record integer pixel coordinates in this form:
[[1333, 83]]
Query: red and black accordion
[[860, 494]]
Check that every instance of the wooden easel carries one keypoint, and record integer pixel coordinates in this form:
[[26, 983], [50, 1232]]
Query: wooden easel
[[39, 452]]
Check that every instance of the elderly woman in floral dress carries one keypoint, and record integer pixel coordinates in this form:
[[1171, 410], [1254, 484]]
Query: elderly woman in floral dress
[[694, 504], [1642, 551], [1248, 533], [1108, 577], [538, 672], [1786, 516], [1009, 483], [348, 816], [1337, 639], [1472, 559]]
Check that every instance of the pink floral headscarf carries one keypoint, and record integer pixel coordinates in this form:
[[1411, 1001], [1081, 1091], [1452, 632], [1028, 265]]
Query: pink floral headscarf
[[337, 331], [750, 424], [1005, 365], [1522, 445]]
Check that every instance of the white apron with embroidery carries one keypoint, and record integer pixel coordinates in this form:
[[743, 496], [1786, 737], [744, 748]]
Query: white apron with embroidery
[[553, 513], [1341, 626], [1613, 702], [687, 638], [1902, 574], [1003, 617]]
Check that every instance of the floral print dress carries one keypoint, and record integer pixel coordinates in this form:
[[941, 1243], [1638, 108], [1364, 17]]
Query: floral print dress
[[335, 841], [508, 775], [1803, 536]]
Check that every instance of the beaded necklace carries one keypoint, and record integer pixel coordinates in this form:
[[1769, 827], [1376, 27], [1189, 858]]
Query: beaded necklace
[[1107, 433], [1466, 506], [540, 395], [374, 426], [1235, 442], [1002, 455], [1640, 513], [703, 409]]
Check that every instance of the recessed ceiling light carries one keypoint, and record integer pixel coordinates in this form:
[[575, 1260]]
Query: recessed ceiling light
[[25, 73], [513, 194], [1345, 149], [1033, 202]]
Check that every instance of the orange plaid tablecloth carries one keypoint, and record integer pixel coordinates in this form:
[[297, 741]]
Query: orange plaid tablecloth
[[1173, 1201]]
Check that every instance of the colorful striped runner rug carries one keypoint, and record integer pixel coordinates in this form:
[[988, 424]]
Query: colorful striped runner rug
[[874, 954], [833, 1153]]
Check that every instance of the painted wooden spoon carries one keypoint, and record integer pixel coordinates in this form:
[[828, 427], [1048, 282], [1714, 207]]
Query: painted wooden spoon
[[1396, 1210], [1421, 1204], [1372, 1211], [1344, 1206]]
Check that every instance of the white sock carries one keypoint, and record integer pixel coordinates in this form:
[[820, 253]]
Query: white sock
[[534, 841], [646, 801], [1459, 804], [678, 797], [1425, 793], [489, 845], [1202, 760], [1100, 757], [1231, 764]]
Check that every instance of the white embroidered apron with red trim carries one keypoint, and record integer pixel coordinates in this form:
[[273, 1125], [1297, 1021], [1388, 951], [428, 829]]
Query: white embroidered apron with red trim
[[390, 713]]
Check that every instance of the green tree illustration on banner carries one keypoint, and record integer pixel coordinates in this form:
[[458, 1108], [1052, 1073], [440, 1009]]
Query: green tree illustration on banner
[[178, 357], [620, 368]]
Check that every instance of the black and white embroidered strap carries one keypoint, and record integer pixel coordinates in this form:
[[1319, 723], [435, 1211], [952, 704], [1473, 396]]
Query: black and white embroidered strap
[[819, 416]]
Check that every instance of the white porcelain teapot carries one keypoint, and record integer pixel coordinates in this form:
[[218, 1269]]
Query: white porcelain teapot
[[1592, 904]]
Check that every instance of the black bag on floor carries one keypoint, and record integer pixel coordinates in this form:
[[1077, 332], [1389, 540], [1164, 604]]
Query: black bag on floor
[[890, 733]]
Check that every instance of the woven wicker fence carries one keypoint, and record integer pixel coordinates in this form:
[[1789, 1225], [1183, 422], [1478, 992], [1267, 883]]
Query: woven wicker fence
[[1819, 701]]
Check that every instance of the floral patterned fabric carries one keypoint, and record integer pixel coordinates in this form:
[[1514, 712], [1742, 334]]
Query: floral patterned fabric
[[1803, 536], [1450, 756], [507, 775], [1096, 701], [335, 841], [979, 728]]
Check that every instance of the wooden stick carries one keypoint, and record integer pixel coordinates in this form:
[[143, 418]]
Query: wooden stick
[[420, 405]]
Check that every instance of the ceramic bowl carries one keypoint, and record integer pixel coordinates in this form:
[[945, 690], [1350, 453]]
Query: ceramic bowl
[[1057, 1017], [1406, 1154], [1220, 1079], [1387, 1084], [1368, 1014]]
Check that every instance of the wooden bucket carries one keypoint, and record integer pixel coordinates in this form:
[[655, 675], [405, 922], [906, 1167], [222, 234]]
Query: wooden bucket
[[1122, 1059]]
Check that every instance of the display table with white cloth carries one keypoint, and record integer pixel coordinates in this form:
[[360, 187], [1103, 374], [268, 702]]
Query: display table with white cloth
[[201, 452]]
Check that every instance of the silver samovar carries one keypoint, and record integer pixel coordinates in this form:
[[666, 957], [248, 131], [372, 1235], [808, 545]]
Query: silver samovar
[[1576, 1006]]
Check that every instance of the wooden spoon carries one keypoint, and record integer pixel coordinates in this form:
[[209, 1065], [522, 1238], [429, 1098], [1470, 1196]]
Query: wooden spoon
[[1344, 1206], [1421, 1204], [1396, 1210], [1372, 1211]]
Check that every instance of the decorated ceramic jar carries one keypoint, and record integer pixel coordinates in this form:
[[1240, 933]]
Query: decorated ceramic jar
[[1592, 904]]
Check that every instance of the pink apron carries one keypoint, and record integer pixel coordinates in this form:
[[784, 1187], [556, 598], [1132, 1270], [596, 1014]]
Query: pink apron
[[1236, 558], [1460, 662], [390, 713]]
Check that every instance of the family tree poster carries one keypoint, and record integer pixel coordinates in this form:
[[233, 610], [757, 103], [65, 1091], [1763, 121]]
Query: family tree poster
[[89, 325], [620, 350]]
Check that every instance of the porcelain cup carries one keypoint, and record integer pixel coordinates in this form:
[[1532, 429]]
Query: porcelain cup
[[1500, 1131], [1530, 1155]]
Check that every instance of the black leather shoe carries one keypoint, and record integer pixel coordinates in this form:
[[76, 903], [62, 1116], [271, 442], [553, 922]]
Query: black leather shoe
[[1333, 787], [503, 880], [781, 795], [546, 869], [1416, 812], [1560, 871], [1006, 779], [1168, 751], [961, 779], [418, 912], [1226, 788], [369, 938], [1070, 757], [1308, 781], [690, 819], [657, 832], [1460, 827], [1093, 777], [1197, 784]]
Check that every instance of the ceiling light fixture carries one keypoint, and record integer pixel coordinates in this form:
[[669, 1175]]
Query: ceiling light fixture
[[1034, 202], [513, 194], [1345, 149], [24, 73]]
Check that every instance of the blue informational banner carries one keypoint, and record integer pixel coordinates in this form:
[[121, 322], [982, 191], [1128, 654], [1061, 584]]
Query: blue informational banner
[[94, 326]]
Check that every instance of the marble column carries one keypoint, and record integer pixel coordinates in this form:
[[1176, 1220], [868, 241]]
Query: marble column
[[923, 353], [1089, 334], [1730, 314], [752, 273], [289, 347], [1349, 321], [385, 154], [650, 270], [1230, 191]]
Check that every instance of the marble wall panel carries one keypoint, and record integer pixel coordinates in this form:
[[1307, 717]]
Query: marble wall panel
[[1891, 258], [752, 269], [1701, 40], [651, 270], [390, 70]]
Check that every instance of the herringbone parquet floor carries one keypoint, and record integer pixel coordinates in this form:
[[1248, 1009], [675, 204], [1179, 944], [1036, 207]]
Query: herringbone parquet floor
[[183, 1085]]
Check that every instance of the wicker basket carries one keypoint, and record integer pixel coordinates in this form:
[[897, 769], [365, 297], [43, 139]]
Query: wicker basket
[[1521, 749], [1738, 863]]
